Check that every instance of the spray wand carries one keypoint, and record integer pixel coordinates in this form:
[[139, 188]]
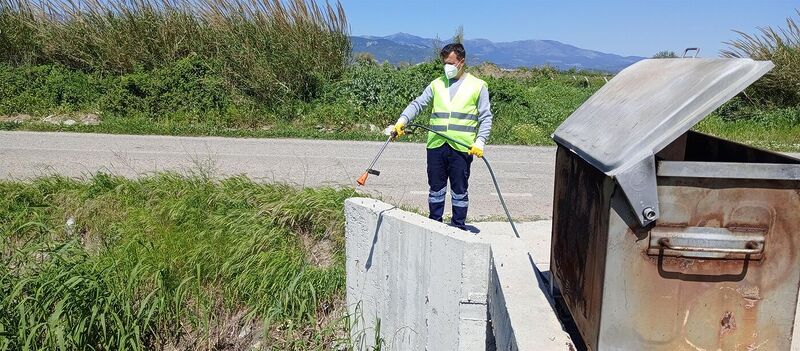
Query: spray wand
[[363, 178]]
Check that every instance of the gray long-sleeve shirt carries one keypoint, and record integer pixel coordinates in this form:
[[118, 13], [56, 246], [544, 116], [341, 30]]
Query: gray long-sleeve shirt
[[484, 107]]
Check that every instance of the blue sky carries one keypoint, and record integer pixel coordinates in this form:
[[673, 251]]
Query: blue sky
[[626, 27]]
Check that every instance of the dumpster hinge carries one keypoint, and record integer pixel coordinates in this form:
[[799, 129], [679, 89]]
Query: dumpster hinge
[[639, 185]]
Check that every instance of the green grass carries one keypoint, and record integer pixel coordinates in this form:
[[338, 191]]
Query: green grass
[[780, 137], [110, 263]]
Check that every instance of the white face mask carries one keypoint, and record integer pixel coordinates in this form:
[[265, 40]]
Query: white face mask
[[450, 71]]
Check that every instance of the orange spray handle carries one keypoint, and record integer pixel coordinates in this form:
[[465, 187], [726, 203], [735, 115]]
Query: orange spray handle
[[362, 179]]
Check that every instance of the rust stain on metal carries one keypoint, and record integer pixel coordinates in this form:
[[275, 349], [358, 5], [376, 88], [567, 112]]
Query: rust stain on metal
[[727, 324], [683, 294], [578, 247]]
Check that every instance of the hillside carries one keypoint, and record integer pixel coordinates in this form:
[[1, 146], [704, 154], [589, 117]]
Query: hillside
[[402, 47]]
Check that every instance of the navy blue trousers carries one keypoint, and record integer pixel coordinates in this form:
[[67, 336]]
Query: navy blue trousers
[[445, 163]]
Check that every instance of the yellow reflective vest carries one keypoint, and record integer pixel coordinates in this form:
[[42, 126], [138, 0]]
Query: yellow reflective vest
[[458, 117]]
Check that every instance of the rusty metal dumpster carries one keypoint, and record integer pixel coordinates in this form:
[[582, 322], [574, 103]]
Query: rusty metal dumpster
[[669, 239]]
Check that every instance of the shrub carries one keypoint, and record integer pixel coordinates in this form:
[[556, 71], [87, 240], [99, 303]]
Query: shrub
[[528, 134], [43, 89], [383, 87], [189, 86], [189, 90], [665, 54]]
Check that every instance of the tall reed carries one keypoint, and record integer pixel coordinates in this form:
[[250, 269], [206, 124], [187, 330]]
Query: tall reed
[[781, 45], [275, 50]]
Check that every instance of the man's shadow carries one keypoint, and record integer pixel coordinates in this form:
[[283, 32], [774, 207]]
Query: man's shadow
[[469, 228]]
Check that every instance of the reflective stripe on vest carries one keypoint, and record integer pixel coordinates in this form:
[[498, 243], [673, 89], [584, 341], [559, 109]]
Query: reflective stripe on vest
[[456, 118], [456, 115]]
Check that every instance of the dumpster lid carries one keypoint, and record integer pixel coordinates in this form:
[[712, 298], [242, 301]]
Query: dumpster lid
[[650, 104], [642, 110]]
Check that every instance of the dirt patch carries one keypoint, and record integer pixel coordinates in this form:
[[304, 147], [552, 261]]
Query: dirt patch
[[90, 119], [368, 127], [492, 70], [16, 118], [229, 330], [318, 252], [238, 329], [57, 119], [329, 332]]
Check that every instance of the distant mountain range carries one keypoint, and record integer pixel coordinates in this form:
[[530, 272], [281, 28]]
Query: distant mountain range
[[403, 47]]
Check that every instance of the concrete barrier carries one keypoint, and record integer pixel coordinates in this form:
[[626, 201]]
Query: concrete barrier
[[422, 283], [416, 284]]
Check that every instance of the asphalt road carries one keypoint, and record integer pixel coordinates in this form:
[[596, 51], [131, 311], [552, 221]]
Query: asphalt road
[[525, 173]]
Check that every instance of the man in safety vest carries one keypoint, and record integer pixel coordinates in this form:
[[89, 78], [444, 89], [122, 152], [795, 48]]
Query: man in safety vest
[[461, 111]]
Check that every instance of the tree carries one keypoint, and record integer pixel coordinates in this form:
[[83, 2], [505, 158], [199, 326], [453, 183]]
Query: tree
[[437, 43], [459, 36], [364, 58]]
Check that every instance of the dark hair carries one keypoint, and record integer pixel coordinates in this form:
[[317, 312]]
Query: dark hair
[[454, 47]]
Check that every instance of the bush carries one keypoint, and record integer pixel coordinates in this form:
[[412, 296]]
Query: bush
[[190, 90], [741, 109], [665, 54], [47, 88], [190, 86], [528, 134], [538, 106], [383, 87]]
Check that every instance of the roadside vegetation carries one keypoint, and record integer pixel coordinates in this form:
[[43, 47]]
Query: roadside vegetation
[[284, 69], [275, 51], [170, 262], [781, 45], [189, 97]]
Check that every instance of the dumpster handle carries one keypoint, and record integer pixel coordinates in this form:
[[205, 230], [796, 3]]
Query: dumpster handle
[[696, 52], [752, 248]]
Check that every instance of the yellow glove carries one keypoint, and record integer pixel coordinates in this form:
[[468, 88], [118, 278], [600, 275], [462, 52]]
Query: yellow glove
[[476, 149], [399, 128]]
